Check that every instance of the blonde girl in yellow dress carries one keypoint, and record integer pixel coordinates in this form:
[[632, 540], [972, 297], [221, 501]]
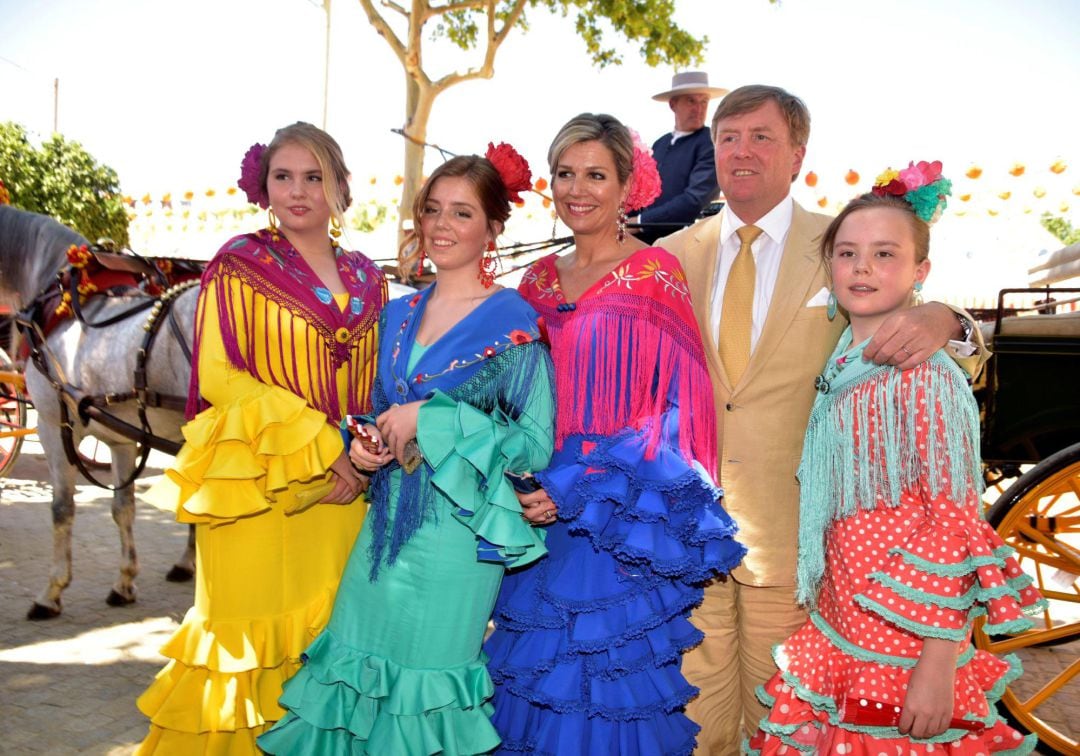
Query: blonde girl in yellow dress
[[286, 339]]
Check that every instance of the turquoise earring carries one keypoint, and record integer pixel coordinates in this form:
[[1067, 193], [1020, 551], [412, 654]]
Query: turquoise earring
[[830, 306], [916, 297]]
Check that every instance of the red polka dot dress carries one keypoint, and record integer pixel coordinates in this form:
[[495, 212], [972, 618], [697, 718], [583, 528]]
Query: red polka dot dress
[[905, 555]]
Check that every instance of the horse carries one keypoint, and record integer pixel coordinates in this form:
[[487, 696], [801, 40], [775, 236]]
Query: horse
[[99, 361]]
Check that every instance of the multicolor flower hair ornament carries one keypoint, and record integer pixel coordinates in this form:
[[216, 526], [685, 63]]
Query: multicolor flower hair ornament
[[920, 185], [644, 176], [512, 167], [249, 176]]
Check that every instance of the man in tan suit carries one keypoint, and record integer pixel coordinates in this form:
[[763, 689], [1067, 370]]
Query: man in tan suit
[[760, 135]]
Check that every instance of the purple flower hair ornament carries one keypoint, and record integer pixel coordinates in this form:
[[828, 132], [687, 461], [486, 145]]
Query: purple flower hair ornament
[[249, 176]]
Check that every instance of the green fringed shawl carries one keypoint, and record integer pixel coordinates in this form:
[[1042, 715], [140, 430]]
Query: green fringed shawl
[[839, 474]]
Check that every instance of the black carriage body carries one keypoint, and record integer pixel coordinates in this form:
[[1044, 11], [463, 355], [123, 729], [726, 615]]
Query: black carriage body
[[1031, 398]]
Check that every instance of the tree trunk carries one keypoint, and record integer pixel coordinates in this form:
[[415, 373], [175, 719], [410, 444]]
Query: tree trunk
[[418, 103]]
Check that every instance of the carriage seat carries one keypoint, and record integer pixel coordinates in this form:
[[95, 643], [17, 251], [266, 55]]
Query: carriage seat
[[1058, 326]]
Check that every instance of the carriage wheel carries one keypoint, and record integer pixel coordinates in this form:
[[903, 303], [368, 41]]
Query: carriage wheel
[[1039, 517], [13, 414]]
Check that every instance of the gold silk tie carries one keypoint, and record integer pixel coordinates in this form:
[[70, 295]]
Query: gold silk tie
[[737, 311]]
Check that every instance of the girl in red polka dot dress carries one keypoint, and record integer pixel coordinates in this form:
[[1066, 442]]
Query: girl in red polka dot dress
[[895, 559]]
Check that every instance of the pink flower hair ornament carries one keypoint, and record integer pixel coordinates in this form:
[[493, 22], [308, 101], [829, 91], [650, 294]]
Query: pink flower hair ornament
[[249, 176], [512, 167], [644, 176], [921, 185]]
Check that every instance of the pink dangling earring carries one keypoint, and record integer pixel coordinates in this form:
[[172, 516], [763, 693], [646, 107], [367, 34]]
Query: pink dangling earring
[[420, 263], [487, 266]]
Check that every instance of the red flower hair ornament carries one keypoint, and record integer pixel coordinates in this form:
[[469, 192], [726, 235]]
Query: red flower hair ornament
[[644, 176], [512, 167]]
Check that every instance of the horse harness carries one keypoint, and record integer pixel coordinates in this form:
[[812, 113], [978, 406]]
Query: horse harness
[[124, 274]]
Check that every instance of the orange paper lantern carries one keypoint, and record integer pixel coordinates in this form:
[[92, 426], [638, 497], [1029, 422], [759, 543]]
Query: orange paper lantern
[[811, 179], [1017, 169], [965, 197], [541, 184], [823, 202], [852, 178], [1058, 166], [973, 172]]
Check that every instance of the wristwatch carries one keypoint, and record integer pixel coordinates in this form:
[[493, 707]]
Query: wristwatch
[[965, 326]]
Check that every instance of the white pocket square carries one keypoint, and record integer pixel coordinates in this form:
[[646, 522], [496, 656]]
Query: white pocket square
[[820, 299]]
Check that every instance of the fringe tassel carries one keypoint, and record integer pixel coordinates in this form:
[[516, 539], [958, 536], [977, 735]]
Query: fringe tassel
[[623, 359], [839, 475]]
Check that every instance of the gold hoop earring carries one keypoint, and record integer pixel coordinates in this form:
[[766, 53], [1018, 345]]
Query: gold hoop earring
[[273, 224]]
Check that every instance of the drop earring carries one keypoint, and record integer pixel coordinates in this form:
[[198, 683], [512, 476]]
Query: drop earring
[[830, 305], [273, 224], [620, 228], [487, 266], [916, 295]]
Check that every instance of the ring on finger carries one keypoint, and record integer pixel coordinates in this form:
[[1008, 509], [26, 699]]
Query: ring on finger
[[905, 350]]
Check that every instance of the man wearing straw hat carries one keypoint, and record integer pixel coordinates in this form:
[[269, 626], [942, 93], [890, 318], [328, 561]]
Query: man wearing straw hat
[[684, 157]]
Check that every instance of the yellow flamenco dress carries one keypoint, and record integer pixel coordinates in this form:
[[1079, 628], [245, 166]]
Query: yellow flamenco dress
[[268, 556]]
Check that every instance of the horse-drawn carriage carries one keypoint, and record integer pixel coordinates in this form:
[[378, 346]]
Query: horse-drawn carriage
[[1030, 400]]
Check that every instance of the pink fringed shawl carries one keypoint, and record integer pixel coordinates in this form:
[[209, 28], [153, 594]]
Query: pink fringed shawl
[[273, 273], [626, 351]]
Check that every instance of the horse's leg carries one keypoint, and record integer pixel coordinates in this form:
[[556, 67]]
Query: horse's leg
[[123, 513], [62, 476], [184, 569]]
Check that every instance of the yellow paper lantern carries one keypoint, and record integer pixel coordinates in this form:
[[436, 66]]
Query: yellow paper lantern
[[965, 197], [1005, 195], [973, 172], [1064, 207], [1039, 192], [1058, 166], [992, 211]]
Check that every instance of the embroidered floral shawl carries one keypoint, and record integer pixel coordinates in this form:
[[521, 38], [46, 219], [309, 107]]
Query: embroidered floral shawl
[[257, 278], [624, 350]]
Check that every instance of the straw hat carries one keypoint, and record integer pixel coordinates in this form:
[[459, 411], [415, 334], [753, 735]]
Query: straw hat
[[690, 82]]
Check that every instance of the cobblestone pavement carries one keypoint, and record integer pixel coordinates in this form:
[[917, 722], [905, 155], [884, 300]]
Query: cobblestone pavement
[[68, 685]]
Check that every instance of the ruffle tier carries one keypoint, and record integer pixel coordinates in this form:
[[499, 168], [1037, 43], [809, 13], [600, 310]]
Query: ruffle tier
[[220, 688], [820, 668], [942, 578], [343, 701], [588, 642], [470, 451], [238, 458]]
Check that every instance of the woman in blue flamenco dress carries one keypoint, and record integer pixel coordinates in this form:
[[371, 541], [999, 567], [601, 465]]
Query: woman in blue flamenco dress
[[463, 396], [588, 641]]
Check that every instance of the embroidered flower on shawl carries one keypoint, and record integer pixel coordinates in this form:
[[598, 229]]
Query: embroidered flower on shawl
[[644, 176], [518, 336], [512, 167], [249, 176]]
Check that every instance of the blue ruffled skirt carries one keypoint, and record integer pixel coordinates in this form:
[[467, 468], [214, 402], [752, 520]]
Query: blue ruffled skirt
[[586, 652]]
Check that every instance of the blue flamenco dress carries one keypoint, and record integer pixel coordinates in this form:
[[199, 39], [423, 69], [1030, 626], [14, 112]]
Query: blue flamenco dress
[[399, 668], [588, 642]]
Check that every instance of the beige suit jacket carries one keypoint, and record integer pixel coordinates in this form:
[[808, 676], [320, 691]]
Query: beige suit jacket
[[761, 420]]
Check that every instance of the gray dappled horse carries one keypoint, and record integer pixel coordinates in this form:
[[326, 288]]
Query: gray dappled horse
[[98, 360]]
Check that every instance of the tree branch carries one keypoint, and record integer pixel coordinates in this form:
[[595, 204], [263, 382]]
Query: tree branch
[[494, 40], [395, 7], [383, 29]]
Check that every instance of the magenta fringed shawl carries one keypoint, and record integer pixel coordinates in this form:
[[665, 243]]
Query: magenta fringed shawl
[[626, 351], [270, 271]]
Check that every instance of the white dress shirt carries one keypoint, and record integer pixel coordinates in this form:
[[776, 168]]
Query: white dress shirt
[[768, 250]]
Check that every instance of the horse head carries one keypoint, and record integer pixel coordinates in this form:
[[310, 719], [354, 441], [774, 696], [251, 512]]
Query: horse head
[[33, 247]]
